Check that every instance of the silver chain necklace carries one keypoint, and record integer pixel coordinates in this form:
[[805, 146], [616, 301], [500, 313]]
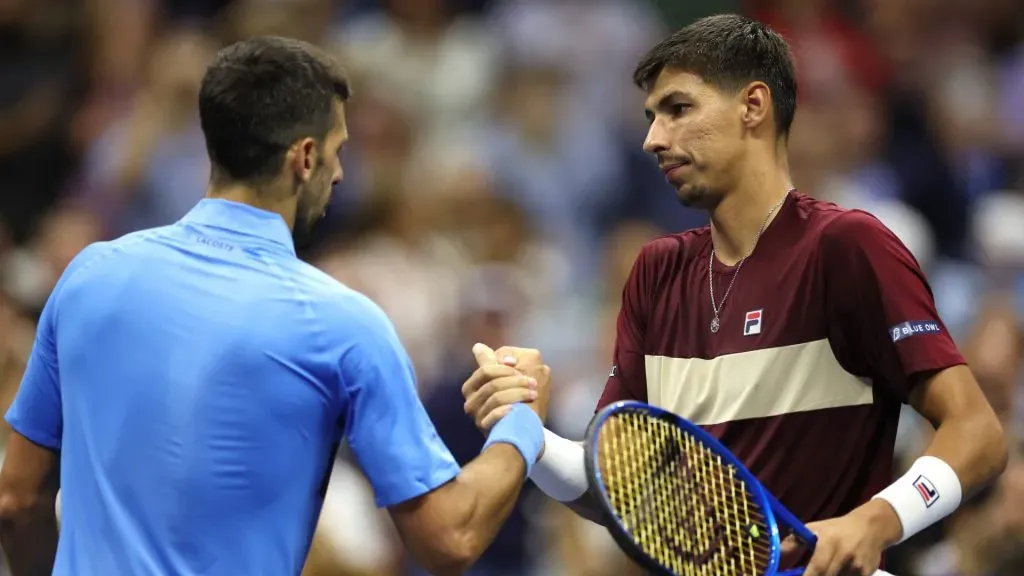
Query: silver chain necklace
[[715, 322]]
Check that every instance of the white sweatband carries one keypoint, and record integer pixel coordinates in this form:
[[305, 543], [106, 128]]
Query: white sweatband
[[927, 493], [560, 473]]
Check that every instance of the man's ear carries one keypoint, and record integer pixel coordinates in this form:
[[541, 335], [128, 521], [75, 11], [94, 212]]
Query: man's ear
[[302, 159], [756, 100]]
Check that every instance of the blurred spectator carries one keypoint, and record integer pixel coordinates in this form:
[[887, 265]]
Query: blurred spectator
[[44, 76], [31, 272], [150, 167], [307, 20], [597, 42], [550, 155], [439, 67]]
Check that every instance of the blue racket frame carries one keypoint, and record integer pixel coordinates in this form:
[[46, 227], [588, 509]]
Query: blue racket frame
[[774, 512]]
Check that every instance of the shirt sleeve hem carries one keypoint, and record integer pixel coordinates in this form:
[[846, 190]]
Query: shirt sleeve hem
[[933, 366], [418, 488], [43, 439]]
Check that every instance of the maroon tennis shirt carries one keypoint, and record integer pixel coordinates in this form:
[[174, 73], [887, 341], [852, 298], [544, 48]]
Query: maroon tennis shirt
[[828, 320]]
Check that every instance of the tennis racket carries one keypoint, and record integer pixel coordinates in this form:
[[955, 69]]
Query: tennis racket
[[679, 503]]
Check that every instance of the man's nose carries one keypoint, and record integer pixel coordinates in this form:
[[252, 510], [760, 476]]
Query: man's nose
[[657, 139]]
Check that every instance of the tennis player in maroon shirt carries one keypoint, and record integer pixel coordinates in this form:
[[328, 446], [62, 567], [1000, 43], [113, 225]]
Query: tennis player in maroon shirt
[[791, 329]]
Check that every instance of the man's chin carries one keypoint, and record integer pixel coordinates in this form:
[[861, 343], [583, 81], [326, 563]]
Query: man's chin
[[696, 197]]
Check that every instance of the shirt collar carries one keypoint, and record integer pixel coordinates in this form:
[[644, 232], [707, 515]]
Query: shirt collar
[[241, 219]]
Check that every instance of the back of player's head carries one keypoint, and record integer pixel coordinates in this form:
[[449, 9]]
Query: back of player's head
[[729, 52], [259, 96]]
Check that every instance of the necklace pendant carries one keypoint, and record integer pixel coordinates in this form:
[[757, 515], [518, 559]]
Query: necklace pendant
[[714, 326]]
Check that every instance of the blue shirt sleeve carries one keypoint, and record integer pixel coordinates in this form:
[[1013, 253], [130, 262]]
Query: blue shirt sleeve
[[36, 412], [386, 425]]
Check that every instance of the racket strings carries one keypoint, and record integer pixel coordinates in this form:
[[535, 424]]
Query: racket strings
[[682, 503]]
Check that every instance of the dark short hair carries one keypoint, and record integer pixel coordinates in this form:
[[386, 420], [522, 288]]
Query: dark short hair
[[728, 51], [259, 96]]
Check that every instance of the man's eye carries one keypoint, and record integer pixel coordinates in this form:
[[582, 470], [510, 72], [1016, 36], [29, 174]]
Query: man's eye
[[679, 109]]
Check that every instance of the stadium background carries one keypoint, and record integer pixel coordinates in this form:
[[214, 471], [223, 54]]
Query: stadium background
[[495, 190]]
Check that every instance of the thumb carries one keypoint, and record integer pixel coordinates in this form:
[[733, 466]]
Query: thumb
[[484, 355], [790, 545]]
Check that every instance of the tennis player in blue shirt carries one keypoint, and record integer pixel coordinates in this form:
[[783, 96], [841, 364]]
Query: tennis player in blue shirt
[[189, 385]]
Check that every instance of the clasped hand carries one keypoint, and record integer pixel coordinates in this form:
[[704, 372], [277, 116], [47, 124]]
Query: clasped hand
[[505, 377]]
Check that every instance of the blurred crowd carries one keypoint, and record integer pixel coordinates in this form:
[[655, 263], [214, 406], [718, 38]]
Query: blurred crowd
[[495, 191]]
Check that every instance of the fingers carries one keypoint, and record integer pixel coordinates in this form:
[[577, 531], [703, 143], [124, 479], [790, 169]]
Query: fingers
[[484, 355], [508, 397], [821, 560], [824, 550], [483, 375], [830, 559], [519, 357], [486, 419], [492, 394], [507, 355], [790, 545], [491, 419]]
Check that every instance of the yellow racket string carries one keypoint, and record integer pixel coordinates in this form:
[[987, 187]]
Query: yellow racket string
[[683, 504]]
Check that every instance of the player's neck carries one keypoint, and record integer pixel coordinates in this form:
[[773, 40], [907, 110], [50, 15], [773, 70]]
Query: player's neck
[[247, 195], [736, 220]]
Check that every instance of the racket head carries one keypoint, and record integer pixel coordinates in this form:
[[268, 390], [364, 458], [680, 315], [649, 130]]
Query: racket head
[[614, 441]]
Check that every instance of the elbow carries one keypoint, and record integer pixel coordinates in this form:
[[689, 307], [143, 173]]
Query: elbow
[[16, 505], [997, 454], [454, 553], [989, 453]]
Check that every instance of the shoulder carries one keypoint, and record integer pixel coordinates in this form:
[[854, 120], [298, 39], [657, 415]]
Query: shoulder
[[837, 228], [90, 256], [349, 311], [674, 247], [855, 231], [855, 245], [107, 252]]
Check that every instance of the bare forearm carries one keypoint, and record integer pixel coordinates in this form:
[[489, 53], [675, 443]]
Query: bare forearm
[[452, 526], [488, 489], [967, 451], [29, 540], [447, 529], [975, 448]]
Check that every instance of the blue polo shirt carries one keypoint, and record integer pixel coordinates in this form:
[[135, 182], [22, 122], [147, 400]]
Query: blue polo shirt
[[197, 379]]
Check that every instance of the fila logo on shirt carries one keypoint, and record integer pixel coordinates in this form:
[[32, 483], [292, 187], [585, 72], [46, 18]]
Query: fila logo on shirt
[[752, 322], [927, 491]]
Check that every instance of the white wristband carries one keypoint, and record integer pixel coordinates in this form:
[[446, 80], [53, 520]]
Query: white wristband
[[560, 473], [927, 493]]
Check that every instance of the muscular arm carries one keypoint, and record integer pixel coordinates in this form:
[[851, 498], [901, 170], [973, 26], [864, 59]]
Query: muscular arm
[[447, 529], [445, 516], [968, 435], [968, 438], [28, 520], [883, 309]]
